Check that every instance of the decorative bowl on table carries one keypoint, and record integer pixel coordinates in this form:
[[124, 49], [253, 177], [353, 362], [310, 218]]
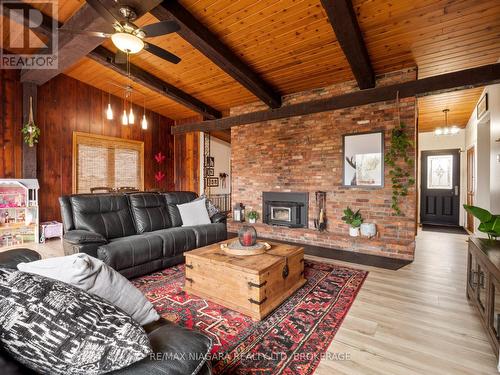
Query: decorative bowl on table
[[235, 248]]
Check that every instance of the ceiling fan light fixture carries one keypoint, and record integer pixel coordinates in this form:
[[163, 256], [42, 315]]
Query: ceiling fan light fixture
[[127, 43]]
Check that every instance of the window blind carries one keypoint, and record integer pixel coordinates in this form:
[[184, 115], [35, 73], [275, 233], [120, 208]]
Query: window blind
[[100, 161]]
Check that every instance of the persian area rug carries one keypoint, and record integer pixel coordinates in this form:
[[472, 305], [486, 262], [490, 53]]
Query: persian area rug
[[291, 340]]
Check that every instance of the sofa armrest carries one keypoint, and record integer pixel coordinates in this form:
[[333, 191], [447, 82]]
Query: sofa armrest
[[80, 237], [11, 258], [219, 218]]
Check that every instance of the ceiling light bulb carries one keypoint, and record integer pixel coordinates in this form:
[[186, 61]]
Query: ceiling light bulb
[[446, 131], [127, 43], [131, 117], [454, 130], [109, 112], [144, 122], [438, 131], [124, 118]]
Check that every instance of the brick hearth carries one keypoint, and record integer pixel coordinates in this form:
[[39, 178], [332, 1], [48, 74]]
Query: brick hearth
[[305, 154]]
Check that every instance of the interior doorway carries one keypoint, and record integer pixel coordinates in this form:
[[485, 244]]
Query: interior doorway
[[440, 187], [471, 177]]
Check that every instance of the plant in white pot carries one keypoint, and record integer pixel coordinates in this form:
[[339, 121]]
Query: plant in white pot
[[252, 216], [354, 219]]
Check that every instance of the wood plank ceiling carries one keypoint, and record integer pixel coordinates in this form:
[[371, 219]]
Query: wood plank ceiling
[[291, 45]]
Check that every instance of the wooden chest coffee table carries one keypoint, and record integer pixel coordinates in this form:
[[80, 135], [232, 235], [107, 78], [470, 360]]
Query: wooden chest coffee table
[[253, 285]]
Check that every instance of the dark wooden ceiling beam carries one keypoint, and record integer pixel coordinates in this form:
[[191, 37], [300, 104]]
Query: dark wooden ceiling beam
[[72, 47], [464, 79], [345, 25], [105, 57], [209, 44]]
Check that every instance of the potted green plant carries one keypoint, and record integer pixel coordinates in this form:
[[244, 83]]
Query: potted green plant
[[252, 216], [354, 219], [30, 131], [490, 224]]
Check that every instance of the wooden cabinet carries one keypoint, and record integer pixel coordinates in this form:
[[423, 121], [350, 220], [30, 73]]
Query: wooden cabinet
[[483, 285]]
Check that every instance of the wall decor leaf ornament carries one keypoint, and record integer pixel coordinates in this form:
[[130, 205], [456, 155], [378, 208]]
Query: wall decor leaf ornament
[[160, 158], [159, 176], [31, 132]]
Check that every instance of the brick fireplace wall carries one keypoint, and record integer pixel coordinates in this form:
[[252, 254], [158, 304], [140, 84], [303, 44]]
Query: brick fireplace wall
[[304, 154]]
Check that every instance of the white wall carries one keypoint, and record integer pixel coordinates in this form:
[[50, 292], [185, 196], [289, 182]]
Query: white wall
[[428, 142], [483, 134], [221, 151]]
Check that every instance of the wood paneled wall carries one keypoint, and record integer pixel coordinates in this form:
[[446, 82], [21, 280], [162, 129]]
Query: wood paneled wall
[[66, 105], [187, 162], [187, 158], [10, 124]]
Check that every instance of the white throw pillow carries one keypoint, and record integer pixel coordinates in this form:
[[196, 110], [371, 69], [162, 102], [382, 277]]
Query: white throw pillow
[[194, 213], [96, 277]]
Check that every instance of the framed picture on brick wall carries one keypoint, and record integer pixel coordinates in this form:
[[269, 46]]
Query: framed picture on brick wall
[[363, 157]]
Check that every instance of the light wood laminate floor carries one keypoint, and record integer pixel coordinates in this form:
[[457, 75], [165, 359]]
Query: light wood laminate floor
[[416, 320]]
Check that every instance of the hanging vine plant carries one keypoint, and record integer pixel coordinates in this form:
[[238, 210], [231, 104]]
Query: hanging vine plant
[[401, 164], [30, 131]]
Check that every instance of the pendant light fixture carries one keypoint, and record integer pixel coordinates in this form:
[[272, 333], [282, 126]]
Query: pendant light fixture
[[128, 116], [124, 116], [109, 111], [131, 117], [144, 122], [446, 130]]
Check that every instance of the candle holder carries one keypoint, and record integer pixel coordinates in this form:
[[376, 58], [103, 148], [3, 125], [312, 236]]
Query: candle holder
[[247, 235]]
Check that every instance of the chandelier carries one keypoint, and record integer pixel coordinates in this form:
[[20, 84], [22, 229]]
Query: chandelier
[[446, 130], [128, 116]]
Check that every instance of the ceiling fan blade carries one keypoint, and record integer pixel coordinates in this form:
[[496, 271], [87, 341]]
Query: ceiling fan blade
[[98, 34], [161, 28], [120, 57], [102, 11], [160, 52]]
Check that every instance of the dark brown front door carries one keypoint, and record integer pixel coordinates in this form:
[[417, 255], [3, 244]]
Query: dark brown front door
[[471, 176], [440, 200]]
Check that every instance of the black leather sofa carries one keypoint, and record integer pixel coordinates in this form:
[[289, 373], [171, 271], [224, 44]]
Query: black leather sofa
[[136, 233], [176, 350]]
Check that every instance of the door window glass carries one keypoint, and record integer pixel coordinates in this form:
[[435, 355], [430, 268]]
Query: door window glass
[[440, 172]]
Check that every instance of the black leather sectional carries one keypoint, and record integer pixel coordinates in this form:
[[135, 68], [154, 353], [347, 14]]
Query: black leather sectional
[[137, 233], [177, 350]]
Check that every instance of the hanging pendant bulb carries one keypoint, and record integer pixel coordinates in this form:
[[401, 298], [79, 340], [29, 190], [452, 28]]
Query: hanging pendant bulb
[[144, 122], [124, 118], [131, 117], [109, 112]]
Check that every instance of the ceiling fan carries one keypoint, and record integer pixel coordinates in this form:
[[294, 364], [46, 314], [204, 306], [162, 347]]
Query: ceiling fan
[[128, 37]]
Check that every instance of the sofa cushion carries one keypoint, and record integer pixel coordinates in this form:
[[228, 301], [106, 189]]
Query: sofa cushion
[[97, 278], [194, 213], [150, 212], [176, 241], [55, 328], [176, 351], [175, 198], [209, 233], [107, 214], [123, 253], [11, 258]]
